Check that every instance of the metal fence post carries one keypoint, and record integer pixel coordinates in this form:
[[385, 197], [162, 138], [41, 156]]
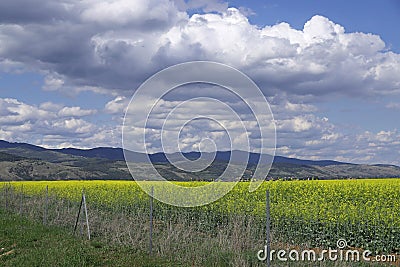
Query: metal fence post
[[86, 214], [268, 228], [151, 221]]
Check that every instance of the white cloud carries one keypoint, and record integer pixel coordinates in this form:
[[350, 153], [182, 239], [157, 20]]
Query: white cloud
[[368, 147], [15, 112], [123, 42], [331, 136], [53, 82], [77, 126], [298, 124], [145, 14], [49, 124], [50, 106], [296, 107], [117, 105], [75, 112]]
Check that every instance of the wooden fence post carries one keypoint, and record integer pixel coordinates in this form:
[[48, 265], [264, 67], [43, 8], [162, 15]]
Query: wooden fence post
[[79, 213]]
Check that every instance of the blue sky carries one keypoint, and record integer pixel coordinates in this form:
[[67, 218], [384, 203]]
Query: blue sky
[[330, 69]]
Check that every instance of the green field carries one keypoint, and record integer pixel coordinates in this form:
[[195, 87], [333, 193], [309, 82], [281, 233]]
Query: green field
[[24, 243], [310, 214]]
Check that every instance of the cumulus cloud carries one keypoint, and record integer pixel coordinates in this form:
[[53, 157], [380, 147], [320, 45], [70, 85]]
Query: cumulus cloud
[[50, 106], [75, 112], [53, 82], [15, 112], [146, 15], [117, 44], [296, 124], [117, 105]]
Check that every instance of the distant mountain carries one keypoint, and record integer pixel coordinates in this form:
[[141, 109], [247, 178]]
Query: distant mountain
[[224, 156], [22, 161], [5, 144], [98, 152]]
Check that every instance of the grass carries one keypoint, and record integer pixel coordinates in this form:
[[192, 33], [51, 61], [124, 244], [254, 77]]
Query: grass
[[27, 243], [24, 242]]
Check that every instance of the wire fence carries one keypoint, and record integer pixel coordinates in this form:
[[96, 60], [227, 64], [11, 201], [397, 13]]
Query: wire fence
[[201, 236], [177, 233]]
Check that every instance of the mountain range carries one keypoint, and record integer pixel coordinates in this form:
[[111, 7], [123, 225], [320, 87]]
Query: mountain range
[[22, 161]]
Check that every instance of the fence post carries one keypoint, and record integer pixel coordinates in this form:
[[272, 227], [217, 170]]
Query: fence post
[[268, 228], [79, 213], [45, 205], [151, 221], [83, 203], [86, 214]]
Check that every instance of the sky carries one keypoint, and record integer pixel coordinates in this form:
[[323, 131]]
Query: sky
[[329, 69]]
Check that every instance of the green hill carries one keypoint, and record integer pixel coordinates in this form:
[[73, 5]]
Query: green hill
[[19, 161]]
